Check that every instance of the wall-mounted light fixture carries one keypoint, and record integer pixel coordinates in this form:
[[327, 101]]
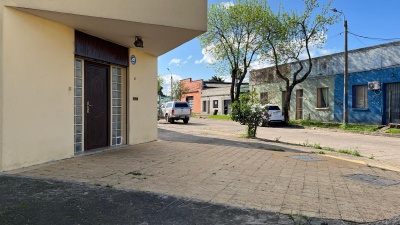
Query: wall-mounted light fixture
[[138, 42], [393, 75]]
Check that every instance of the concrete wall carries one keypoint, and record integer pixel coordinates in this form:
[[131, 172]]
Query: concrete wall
[[37, 91], [310, 109], [375, 113], [365, 59], [219, 94], [142, 79]]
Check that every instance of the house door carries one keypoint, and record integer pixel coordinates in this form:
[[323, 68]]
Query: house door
[[299, 104], [96, 106], [227, 107], [393, 103], [190, 101]]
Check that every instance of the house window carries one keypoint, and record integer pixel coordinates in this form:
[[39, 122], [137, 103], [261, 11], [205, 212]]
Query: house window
[[264, 97], [116, 106], [204, 106], [360, 96], [78, 105], [215, 103], [322, 97]]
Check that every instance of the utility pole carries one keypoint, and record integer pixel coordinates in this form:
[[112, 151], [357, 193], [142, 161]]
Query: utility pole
[[346, 77], [171, 84], [346, 70]]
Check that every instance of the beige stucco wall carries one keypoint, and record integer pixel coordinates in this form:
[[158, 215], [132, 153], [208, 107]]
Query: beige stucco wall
[[37, 91], [1, 86], [142, 124], [168, 13]]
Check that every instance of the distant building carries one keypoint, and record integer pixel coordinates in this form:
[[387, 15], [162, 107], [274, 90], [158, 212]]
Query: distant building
[[374, 86], [209, 97]]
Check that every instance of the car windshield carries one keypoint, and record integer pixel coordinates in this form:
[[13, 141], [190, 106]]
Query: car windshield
[[273, 107], [181, 104]]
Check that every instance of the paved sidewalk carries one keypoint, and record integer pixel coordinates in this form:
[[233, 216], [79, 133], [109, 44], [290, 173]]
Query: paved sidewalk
[[385, 149], [221, 168]]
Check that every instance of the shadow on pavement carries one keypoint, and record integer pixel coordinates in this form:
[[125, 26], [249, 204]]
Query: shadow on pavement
[[37, 201], [167, 135]]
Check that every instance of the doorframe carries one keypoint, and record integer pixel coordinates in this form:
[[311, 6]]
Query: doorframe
[[297, 104]]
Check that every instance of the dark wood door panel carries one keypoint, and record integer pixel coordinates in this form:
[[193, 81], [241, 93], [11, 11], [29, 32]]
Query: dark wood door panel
[[96, 106]]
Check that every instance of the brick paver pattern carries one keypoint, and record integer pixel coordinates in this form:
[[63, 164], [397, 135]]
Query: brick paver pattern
[[238, 176]]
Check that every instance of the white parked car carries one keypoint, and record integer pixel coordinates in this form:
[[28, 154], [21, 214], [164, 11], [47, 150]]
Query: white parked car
[[173, 111], [274, 115]]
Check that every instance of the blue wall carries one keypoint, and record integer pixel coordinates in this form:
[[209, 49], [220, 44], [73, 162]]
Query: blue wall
[[375, 114]]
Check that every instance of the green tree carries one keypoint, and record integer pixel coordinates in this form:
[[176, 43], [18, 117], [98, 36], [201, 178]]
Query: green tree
[[248, 110], [235, 37], [292, 35], [178, 90], [160, 82], [216, 79]]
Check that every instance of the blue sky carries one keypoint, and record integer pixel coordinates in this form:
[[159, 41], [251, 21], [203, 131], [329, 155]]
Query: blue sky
[[369, 18]]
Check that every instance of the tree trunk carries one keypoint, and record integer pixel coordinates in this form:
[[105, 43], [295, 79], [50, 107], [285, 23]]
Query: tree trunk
[[233, 75], [286, 107]]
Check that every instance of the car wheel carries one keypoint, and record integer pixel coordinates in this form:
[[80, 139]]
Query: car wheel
[[171, 120], [167, 119], [261, 123], [185, 121]]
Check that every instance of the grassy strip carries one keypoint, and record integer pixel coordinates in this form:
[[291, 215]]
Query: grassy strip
[[319, 151], [393, 131], [220, 117], [354, 127]]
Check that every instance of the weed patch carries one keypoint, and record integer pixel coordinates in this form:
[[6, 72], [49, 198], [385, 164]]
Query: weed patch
[[351, 127], [349, 152], [135, 173]]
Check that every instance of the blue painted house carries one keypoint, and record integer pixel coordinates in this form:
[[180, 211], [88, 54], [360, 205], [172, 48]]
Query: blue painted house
[[369, 104]]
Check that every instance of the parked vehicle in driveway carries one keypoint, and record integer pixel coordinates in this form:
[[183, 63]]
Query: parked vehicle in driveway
[[273, 115], [173, 111]]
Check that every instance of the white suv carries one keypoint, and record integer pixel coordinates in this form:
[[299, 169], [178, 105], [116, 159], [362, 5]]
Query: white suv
[[275, 115], [173, 111]]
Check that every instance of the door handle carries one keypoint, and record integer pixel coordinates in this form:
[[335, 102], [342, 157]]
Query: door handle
[[88, 107]]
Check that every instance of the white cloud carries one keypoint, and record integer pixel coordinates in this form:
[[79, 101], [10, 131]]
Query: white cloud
[[207, 56], [167, 83], [258, 63], [227, 4], [179, 62], [174, 61], [187, 60]]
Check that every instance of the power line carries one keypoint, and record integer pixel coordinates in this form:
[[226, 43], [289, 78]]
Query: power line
[[335, 35], [375, 38]]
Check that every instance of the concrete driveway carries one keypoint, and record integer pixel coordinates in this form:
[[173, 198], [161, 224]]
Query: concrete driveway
[[209, 162]]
